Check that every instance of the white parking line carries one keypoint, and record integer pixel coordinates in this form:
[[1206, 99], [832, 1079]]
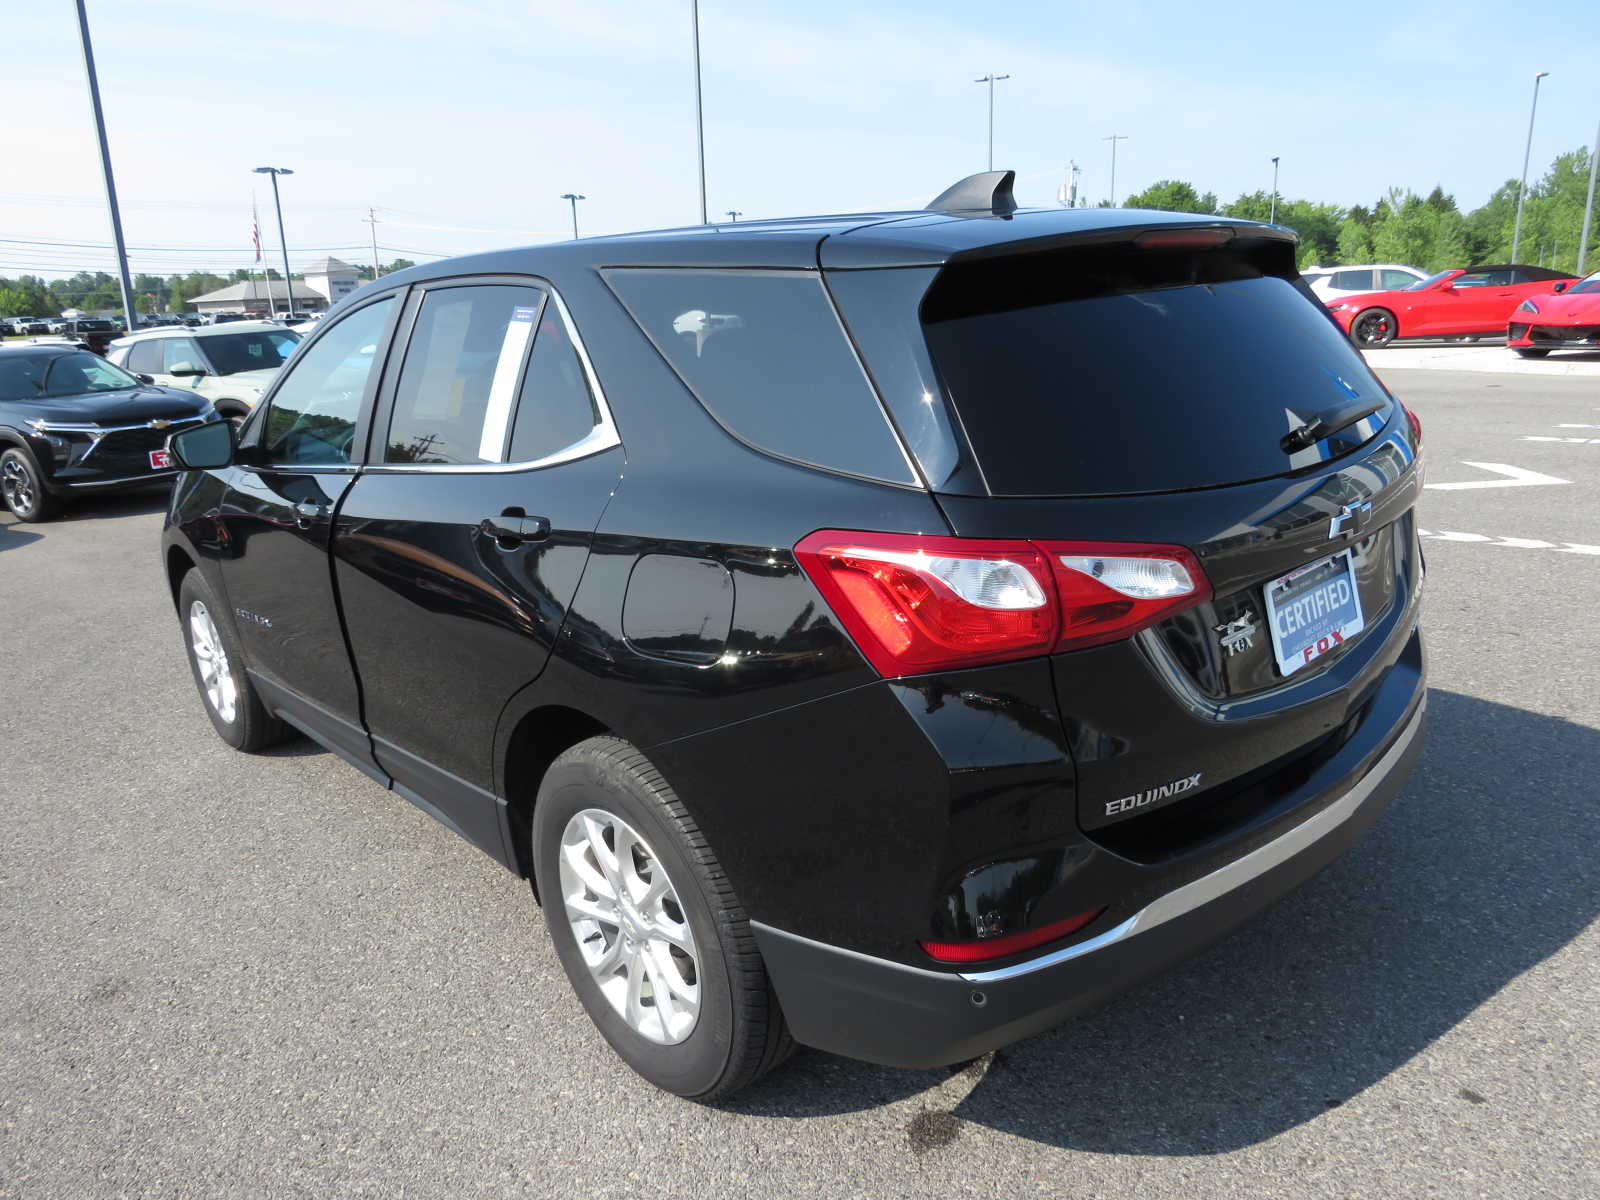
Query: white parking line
[[1571, 441], [1509, 477], [1515, 543]]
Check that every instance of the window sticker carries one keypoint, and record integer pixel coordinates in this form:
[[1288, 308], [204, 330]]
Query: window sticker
[[503, 388]]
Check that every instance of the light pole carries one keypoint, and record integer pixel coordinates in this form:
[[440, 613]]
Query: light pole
[[1588, 209], [105, 168], [1273, 219], [734, 214], [991, 79], [1522, 192], [288, 290], [699, 108], [1114, 139], [574, 197]]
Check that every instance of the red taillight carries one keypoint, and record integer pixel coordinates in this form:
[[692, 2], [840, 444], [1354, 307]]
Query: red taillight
[[1416, 425], [1111, 590], [918, 604], [1011, 943]]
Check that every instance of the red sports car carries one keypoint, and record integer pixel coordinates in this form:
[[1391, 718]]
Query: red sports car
[[1565, 317], [1464, 301]]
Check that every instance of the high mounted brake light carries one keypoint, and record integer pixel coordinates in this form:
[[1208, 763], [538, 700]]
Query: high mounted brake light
[[917, 604], [1183, 239]]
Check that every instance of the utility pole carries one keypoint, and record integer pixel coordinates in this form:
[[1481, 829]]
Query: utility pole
[[1114, 139], [105, 168], [574, 197], [1588, 209], [734, 215], [1522, 192], [1273, 219], [372, 220], [277, 203], [699, 109], [991, 79]]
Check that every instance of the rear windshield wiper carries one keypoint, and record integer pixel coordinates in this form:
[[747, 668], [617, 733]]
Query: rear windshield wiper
[[1314, 430]]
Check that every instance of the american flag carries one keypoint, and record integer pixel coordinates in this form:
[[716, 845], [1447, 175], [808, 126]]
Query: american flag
[[255, 228]]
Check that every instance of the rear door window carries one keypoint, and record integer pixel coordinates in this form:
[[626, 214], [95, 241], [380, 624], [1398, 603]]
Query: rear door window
[[458, 383], [177, 351], [1354, 281], [765, 355], [144, 358], [555, 408], [1106, 374], [1394, 280]]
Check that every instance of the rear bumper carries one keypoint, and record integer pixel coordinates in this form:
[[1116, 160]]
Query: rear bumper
[[870, 1008]]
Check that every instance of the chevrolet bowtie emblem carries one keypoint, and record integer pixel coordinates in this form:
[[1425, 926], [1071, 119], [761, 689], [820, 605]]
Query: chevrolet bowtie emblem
[[158, 423], [1350, 519]]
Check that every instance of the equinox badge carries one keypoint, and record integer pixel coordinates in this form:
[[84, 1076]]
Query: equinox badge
[[1151, 795]]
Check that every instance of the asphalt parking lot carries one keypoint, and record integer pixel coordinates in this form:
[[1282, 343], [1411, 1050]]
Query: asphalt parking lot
[[235, 975]]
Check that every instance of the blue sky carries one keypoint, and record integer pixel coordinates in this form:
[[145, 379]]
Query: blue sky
[[464, 122]]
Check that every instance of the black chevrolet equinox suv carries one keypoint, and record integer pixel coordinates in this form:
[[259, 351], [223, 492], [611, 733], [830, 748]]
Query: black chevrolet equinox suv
[[887, 633]]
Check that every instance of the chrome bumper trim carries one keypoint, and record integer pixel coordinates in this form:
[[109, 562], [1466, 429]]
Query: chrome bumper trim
[[1236, 874]]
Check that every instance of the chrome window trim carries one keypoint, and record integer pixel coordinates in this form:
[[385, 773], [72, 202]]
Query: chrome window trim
[[602, 436], [1234, 875]]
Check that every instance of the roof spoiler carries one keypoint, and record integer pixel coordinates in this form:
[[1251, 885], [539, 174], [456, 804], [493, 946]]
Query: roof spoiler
[[987, 191]]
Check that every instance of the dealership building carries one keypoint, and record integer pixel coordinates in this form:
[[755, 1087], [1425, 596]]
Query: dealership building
[[326, 281]]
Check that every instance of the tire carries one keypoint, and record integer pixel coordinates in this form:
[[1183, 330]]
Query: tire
[[596, 794], [22, 487], [1373, 328], [1529, 352], [233, 705]]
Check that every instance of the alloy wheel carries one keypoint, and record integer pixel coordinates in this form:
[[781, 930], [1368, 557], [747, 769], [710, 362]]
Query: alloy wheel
[[18, 487], [1372, 329], [216, 675], [630, 927]]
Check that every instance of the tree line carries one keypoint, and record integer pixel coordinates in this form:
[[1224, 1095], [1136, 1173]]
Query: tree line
[[98, 291], [1430, 232]]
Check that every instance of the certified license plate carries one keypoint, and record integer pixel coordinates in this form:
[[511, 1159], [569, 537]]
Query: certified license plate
[[161, 460], [1313, 610]]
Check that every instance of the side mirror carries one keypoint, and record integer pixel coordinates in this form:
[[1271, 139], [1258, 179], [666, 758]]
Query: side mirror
[[185, 368], [1560, 287], [206, 447], [145, 378], [1447, 287]]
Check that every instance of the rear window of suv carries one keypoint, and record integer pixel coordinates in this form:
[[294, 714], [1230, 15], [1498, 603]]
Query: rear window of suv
[[1120, 372]]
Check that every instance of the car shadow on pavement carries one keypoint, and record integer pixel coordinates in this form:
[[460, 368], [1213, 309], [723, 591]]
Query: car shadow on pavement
[[13, 534], [1480, 870], [126, 504]]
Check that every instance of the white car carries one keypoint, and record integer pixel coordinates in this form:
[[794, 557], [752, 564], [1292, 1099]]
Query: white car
[[231, 365], [1329, 283]]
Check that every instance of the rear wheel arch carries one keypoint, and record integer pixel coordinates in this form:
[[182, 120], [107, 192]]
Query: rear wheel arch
[[535, 742]]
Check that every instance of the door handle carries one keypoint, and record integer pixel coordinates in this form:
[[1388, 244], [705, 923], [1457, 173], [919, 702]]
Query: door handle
[[510, 530], [307, 511]]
